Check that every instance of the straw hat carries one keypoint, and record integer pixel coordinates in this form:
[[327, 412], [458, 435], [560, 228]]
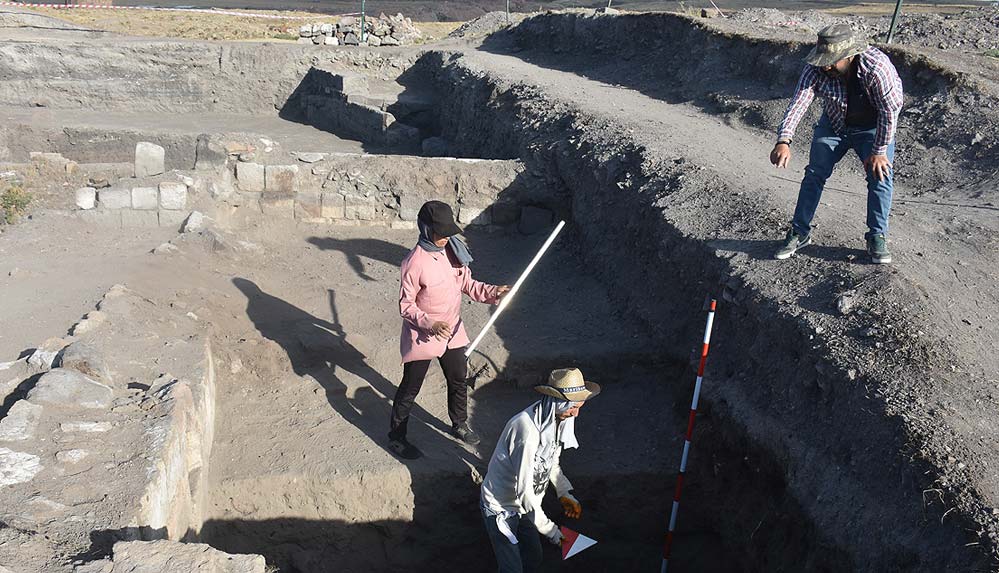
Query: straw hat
[[568, 384], [835, 42]]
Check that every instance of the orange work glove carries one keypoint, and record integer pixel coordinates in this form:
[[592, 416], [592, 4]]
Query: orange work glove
[[571, 506]]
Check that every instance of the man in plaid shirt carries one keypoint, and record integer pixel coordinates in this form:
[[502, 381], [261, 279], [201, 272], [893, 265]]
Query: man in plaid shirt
[[862, 96]]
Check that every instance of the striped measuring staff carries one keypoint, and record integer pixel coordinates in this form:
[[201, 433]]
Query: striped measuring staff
[[689, 437]]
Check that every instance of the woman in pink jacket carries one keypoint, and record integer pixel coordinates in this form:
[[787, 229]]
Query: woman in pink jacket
[[434, 276]]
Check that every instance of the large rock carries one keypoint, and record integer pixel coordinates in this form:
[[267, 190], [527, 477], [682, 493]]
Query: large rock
[[85, 359], [61, 387], [149, 159], [17, 467], [20, 422], [172, 557]]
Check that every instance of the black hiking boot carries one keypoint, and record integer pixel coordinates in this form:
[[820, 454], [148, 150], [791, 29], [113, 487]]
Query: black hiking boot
[[401, 447], [877, 248], [465, 434], [792, 243]]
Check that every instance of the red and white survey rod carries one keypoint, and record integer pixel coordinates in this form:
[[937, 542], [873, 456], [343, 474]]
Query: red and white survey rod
[[513, 290], [689, 437]]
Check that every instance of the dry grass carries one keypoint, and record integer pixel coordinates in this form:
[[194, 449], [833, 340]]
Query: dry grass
[[202, 26], [880, 9]]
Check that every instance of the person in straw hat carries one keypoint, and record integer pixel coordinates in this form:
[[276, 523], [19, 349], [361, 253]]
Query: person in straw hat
[[525, 461], [862, 97]]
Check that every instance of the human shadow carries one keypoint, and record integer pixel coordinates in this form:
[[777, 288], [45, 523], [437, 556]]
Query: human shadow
[[319, 348], [355, 249]]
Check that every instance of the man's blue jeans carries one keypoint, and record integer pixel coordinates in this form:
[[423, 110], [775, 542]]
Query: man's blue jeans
[[828, 148]]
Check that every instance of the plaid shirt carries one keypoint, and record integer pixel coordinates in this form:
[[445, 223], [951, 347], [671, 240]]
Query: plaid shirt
[[877, 77]]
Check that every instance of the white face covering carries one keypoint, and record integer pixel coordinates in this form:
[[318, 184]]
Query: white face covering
[[544, 412]]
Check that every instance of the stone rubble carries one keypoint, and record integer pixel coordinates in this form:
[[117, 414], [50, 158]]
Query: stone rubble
[[384, 30]]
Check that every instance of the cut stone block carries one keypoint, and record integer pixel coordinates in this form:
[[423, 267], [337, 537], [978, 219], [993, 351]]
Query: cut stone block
[[278, 206], [133, 218], [115, 198], [145, 198], [86, 198], [173, 219], [359, 209], [85, 427], [504, 213], [17, 467], [468, 215], [149, 159], [333, 206], [20, 422], [409, 206], [101, 218], [173, 195], [280, 179], [308, 206], [250, 177], [209, 155], [61, 387]]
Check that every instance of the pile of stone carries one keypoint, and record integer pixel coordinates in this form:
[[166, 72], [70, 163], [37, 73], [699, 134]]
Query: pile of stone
[[381, 31]]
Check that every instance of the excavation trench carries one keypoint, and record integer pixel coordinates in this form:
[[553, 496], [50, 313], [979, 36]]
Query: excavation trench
[[796, 464]]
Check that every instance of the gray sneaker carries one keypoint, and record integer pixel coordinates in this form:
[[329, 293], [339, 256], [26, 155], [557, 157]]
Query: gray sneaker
[[465, 434], [792, 243], [877, 248]]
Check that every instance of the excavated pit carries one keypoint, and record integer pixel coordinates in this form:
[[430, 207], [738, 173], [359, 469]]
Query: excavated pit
[[793, 468]]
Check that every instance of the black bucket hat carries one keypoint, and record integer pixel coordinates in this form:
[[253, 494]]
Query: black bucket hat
[[439, 217]]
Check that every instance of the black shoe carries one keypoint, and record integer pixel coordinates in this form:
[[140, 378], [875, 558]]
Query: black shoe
[[465, 434], [401, 447], [791, 244], [877, 248]]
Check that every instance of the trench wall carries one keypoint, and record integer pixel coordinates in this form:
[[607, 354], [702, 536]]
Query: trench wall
[[846, 467], [947, 122]]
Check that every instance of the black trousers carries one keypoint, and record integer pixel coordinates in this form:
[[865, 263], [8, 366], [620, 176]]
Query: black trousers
[[455, 372]]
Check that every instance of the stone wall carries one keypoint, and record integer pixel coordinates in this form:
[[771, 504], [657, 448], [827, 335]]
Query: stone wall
[[337, 102], [96, 446]]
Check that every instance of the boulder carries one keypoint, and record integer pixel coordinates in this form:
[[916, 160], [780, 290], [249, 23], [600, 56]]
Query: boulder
[[350, 39], [164, 556], [17, 467], [85, 359], [195, 222], [20, 422], [331, 41], [61, 387], [149, 159], [390, 41], [373, 40]]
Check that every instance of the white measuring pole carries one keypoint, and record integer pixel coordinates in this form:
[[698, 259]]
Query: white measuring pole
[[513, 290]]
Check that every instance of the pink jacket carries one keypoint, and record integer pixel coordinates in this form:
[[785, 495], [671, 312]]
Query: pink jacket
[[431, 291]]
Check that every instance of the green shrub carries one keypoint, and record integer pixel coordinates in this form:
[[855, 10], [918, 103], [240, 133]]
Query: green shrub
[[992, 53], [283, 36], [13, 203]]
